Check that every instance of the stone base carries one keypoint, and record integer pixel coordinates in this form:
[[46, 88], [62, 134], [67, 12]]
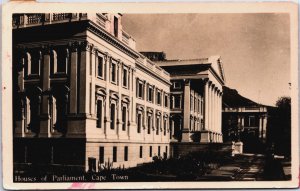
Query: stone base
[[186, 136], [205, 137], [237, 148]]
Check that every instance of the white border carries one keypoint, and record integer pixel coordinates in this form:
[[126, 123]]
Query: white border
[[194, 7]]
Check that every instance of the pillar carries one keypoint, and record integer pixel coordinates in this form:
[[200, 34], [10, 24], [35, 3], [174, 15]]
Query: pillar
[[205, 132], [84, 80], [73, 79], [260, 127], [186, 111], [45, 115], [93, 76]]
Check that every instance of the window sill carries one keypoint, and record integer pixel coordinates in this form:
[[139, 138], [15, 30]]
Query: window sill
[[100, 78]]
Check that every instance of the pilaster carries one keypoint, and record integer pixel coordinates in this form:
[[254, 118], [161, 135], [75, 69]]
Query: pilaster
[[186, 112], [73, 79]]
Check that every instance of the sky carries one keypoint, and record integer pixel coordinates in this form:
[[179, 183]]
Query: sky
[[255, 48]]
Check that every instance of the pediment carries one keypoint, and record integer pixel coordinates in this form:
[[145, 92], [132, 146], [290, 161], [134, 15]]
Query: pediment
[[217, 65]]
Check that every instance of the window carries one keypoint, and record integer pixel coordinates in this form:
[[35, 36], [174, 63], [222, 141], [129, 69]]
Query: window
[[141, 151], [113, 72], [251, 121], [125, 78], [126, 153], [124, 112], [100, 67], [101, 155], [99, 113], [150, 151], [157, 125], [114, 154], [165, 126], [112, 116], [116, 24], [176, 85], [191, 103], [166, 100], [158, 151], [177, 101], [158, 98], [35, 63], [62, 60], [92, 164], [149, 124], [150, 94], [140, 89], [139, 121]]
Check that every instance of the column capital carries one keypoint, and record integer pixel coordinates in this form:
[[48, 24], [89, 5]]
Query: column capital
[[186, 81], [74, 46], [85, 45]]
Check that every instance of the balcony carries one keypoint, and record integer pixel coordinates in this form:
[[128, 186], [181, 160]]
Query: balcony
[[28, 20], [37, 19]]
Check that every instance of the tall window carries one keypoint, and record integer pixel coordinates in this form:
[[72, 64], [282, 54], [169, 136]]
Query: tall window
[[166, 100], [191, 103], [150, 94], [149, 125], [158, 152], [35, 63], [100, 67], [158, 98], [125, 78], [124, 112], [140, 89], [141, 151], [251, 121], [177, 100], [157, 125], [165, 126], [126, 153], [112, 115], [139, 122], [114, 154], [99, 113], [116, 24], [113, 72], [150, 151], [62, 60], [101, 155]]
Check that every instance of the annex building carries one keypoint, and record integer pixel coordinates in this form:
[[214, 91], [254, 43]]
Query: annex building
[[85, 97]]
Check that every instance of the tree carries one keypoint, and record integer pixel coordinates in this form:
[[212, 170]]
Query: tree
[[281, 126]]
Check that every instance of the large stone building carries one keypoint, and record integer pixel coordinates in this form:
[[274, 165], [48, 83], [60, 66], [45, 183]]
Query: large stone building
[[244, 119], [84, 96]]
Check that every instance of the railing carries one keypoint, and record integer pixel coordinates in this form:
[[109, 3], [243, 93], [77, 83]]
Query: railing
[[23, 20]]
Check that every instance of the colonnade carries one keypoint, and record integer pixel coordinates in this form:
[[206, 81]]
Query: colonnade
[[212, 131]]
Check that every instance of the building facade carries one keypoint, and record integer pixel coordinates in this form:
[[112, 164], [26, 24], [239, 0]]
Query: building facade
[[244, 120], [84, 97], [196, 97]]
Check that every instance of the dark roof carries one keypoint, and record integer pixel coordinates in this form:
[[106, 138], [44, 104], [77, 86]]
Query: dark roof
[[231, 98], [186, 69]]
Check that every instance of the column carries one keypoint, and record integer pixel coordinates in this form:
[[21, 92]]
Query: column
[[93, 76], [45, 117], [205, 131], [119, 105], [221, 118], [264, 128], [20, 127], [107, 61], [73, 79], [186, 112], [260, 127], [130, 103], [84, 80], [132, 126], [220, 115]]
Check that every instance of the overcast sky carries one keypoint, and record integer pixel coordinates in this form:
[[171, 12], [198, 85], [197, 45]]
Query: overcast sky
[[255, 48]]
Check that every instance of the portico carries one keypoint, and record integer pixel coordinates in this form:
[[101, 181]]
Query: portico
[[197, 85]]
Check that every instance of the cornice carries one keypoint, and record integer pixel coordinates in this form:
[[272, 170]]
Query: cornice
[[111, 40]]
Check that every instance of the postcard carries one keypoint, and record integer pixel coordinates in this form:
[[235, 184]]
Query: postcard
[[150, 95]]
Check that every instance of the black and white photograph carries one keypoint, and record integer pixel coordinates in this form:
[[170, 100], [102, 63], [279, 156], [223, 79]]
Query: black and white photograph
[[156, 98]]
